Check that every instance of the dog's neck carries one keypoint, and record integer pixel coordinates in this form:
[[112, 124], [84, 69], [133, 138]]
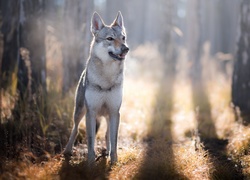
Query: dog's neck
[[104, 76]]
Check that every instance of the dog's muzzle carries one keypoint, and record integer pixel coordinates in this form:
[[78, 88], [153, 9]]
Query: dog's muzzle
[[120, 57]]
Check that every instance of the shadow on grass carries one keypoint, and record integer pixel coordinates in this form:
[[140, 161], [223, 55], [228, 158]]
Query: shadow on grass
[[205, 124], [158, 160], [224, 167], [75, 171]]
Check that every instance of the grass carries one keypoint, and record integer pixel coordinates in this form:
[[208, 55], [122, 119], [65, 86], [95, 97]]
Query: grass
[[164, 132]]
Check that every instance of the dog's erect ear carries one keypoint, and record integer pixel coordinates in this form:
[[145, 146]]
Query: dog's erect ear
[[118, 20], [96, 23]]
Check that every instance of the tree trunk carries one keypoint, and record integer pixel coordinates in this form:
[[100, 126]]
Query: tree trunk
[[10, 13], [241, 74], [205, 125], [32, 38], [167, 44], [194, 44], [23, 26], [76, 40]]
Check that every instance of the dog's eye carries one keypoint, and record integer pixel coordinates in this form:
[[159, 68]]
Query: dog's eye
[[123, 38], [110, 38]]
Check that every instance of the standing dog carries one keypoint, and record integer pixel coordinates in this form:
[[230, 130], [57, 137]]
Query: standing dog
[[99, 91]]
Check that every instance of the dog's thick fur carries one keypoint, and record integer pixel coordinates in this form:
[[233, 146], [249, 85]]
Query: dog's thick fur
[[99, 91]]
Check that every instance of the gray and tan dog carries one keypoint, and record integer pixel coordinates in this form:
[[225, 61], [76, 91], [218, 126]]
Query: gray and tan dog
[[99, 91]]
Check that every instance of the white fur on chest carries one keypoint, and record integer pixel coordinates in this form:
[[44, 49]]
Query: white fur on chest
[[96, 99]]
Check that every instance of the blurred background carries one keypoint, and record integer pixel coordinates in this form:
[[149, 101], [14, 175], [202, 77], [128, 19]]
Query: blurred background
[[179, 50], [56, 34]]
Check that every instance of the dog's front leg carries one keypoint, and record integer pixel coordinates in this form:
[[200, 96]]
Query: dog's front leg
[[91, 130], [114, 124]]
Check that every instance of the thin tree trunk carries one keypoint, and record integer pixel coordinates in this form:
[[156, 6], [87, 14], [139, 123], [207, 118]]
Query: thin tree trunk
[[76, 40], [10, 14], [205, 125], [241, 74]]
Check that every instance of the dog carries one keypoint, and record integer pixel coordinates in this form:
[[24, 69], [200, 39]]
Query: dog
[[99, 90]]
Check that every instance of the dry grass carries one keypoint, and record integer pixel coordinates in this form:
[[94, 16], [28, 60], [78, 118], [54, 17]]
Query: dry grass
[[238, 148], [158, 136], [164, 160], [129, 163], [27, 170]]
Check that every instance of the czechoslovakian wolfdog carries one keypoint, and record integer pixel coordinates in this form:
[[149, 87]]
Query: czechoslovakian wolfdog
[[99, 91]]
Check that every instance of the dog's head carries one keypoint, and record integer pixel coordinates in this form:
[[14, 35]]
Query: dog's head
[[109, 41]]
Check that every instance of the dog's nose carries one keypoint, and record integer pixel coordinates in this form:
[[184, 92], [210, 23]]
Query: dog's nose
[[125, 49]]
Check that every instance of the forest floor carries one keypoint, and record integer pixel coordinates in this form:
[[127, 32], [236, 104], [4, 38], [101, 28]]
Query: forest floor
[[169, 130]]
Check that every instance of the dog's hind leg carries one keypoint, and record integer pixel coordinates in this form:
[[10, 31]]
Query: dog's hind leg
[[79, 112], [77, 118]]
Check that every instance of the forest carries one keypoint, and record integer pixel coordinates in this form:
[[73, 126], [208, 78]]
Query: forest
[[185, 112]]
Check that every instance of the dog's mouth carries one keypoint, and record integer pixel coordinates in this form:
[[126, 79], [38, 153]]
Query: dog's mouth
[[119, 57]]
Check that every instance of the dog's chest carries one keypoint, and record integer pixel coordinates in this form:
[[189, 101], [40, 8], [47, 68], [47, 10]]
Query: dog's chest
[[111, 72], [102, 101], [106, 75]]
